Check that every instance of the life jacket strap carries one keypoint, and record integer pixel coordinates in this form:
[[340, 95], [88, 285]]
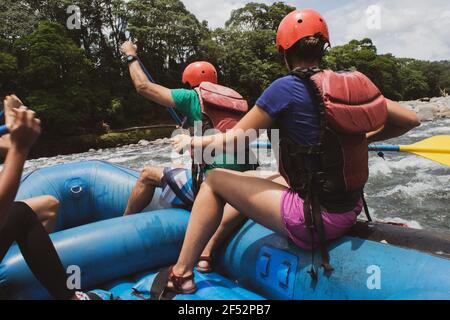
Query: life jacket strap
[[309, 221], [312, 207], [366, 207]]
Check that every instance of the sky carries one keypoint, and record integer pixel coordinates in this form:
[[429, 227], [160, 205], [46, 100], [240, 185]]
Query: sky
[[406, 28]]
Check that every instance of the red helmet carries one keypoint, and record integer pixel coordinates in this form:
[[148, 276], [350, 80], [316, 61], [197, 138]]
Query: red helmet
[[199, 72], [298, 25]]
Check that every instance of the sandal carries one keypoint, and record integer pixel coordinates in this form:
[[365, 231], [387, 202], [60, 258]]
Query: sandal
[[178, 282], [208, 260]]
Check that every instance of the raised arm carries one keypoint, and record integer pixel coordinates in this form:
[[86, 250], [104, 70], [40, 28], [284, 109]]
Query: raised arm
[[400, 121], [155, 92], [24, 132]]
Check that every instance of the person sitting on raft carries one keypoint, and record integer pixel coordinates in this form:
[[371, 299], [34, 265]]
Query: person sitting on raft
[[326, 120], [45, 207], [18, 220], [207, 102]]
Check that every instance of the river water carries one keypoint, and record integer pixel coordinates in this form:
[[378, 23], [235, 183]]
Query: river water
[[402, 188]]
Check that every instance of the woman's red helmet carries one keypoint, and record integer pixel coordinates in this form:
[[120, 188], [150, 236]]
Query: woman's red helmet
[[300, 24], [199, 72]]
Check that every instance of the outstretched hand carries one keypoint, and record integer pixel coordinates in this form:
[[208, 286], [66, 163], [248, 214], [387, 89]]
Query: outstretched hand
[[10, 103], [23, 125], [181, 142]]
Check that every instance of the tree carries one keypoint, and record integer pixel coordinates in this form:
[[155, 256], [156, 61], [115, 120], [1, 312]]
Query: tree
[[8, 73], [258, 16], [17, 19], [168, 35], [56, 75], [413, 82], [362, 56], [245, 49]]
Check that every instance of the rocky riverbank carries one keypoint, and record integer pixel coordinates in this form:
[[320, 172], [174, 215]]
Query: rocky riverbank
[[430, 109], [77, 144]]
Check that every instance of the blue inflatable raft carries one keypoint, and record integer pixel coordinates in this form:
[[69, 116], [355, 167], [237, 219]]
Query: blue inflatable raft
[[120, 256]]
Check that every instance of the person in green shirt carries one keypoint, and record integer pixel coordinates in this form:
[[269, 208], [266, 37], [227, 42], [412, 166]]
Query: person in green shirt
[[177, 183]]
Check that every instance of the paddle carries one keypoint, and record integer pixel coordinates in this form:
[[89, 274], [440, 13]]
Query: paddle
[[436, 148], [3, 129], [171, 111]]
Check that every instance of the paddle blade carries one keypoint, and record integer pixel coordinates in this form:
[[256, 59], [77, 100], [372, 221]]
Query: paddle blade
[[436, 149]]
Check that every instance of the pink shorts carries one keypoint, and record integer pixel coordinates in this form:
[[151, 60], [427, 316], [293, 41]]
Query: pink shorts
[[336, 225]]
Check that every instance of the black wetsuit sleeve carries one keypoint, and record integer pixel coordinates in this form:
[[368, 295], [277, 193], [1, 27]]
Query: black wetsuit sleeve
[[23, 227]]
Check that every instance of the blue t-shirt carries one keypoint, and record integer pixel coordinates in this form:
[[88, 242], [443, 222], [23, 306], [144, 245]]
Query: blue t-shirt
[[289, 102]]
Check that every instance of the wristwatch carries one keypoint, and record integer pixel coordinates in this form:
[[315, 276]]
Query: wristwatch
[[131, 58]]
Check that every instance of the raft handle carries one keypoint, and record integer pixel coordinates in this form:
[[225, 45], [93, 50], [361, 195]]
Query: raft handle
[[76, 189]]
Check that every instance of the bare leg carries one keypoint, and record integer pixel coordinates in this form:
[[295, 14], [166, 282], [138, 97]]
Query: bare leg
[[257, 198], [46, 209], [143, 192], [231, 220]]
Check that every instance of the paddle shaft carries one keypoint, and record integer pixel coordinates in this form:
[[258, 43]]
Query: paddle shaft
[[411, 149], [377, 148], [4, 130]]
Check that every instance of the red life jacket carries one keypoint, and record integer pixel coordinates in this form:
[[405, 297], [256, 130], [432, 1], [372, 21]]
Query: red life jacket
[[332, 174], [222, 106], [352, 106], [222, 109]]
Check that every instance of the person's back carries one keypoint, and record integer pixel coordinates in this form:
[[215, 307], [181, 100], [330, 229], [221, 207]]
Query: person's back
[[289, 100]]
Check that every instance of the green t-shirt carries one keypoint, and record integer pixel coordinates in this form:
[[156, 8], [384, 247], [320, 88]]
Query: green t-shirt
[[187, 103]]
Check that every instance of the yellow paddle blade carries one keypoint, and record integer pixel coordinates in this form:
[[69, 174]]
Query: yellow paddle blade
[[436, 148]]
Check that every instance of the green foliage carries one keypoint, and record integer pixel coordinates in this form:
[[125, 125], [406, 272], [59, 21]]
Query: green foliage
[[398, 79], [17, 19], [8, 72], [76, 79], [56, 75], [257, 16], [167, 34], [245, 48]]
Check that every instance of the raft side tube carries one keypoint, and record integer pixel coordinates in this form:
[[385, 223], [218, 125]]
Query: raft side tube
[[103, 251], [88, 191], [275, 268]]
